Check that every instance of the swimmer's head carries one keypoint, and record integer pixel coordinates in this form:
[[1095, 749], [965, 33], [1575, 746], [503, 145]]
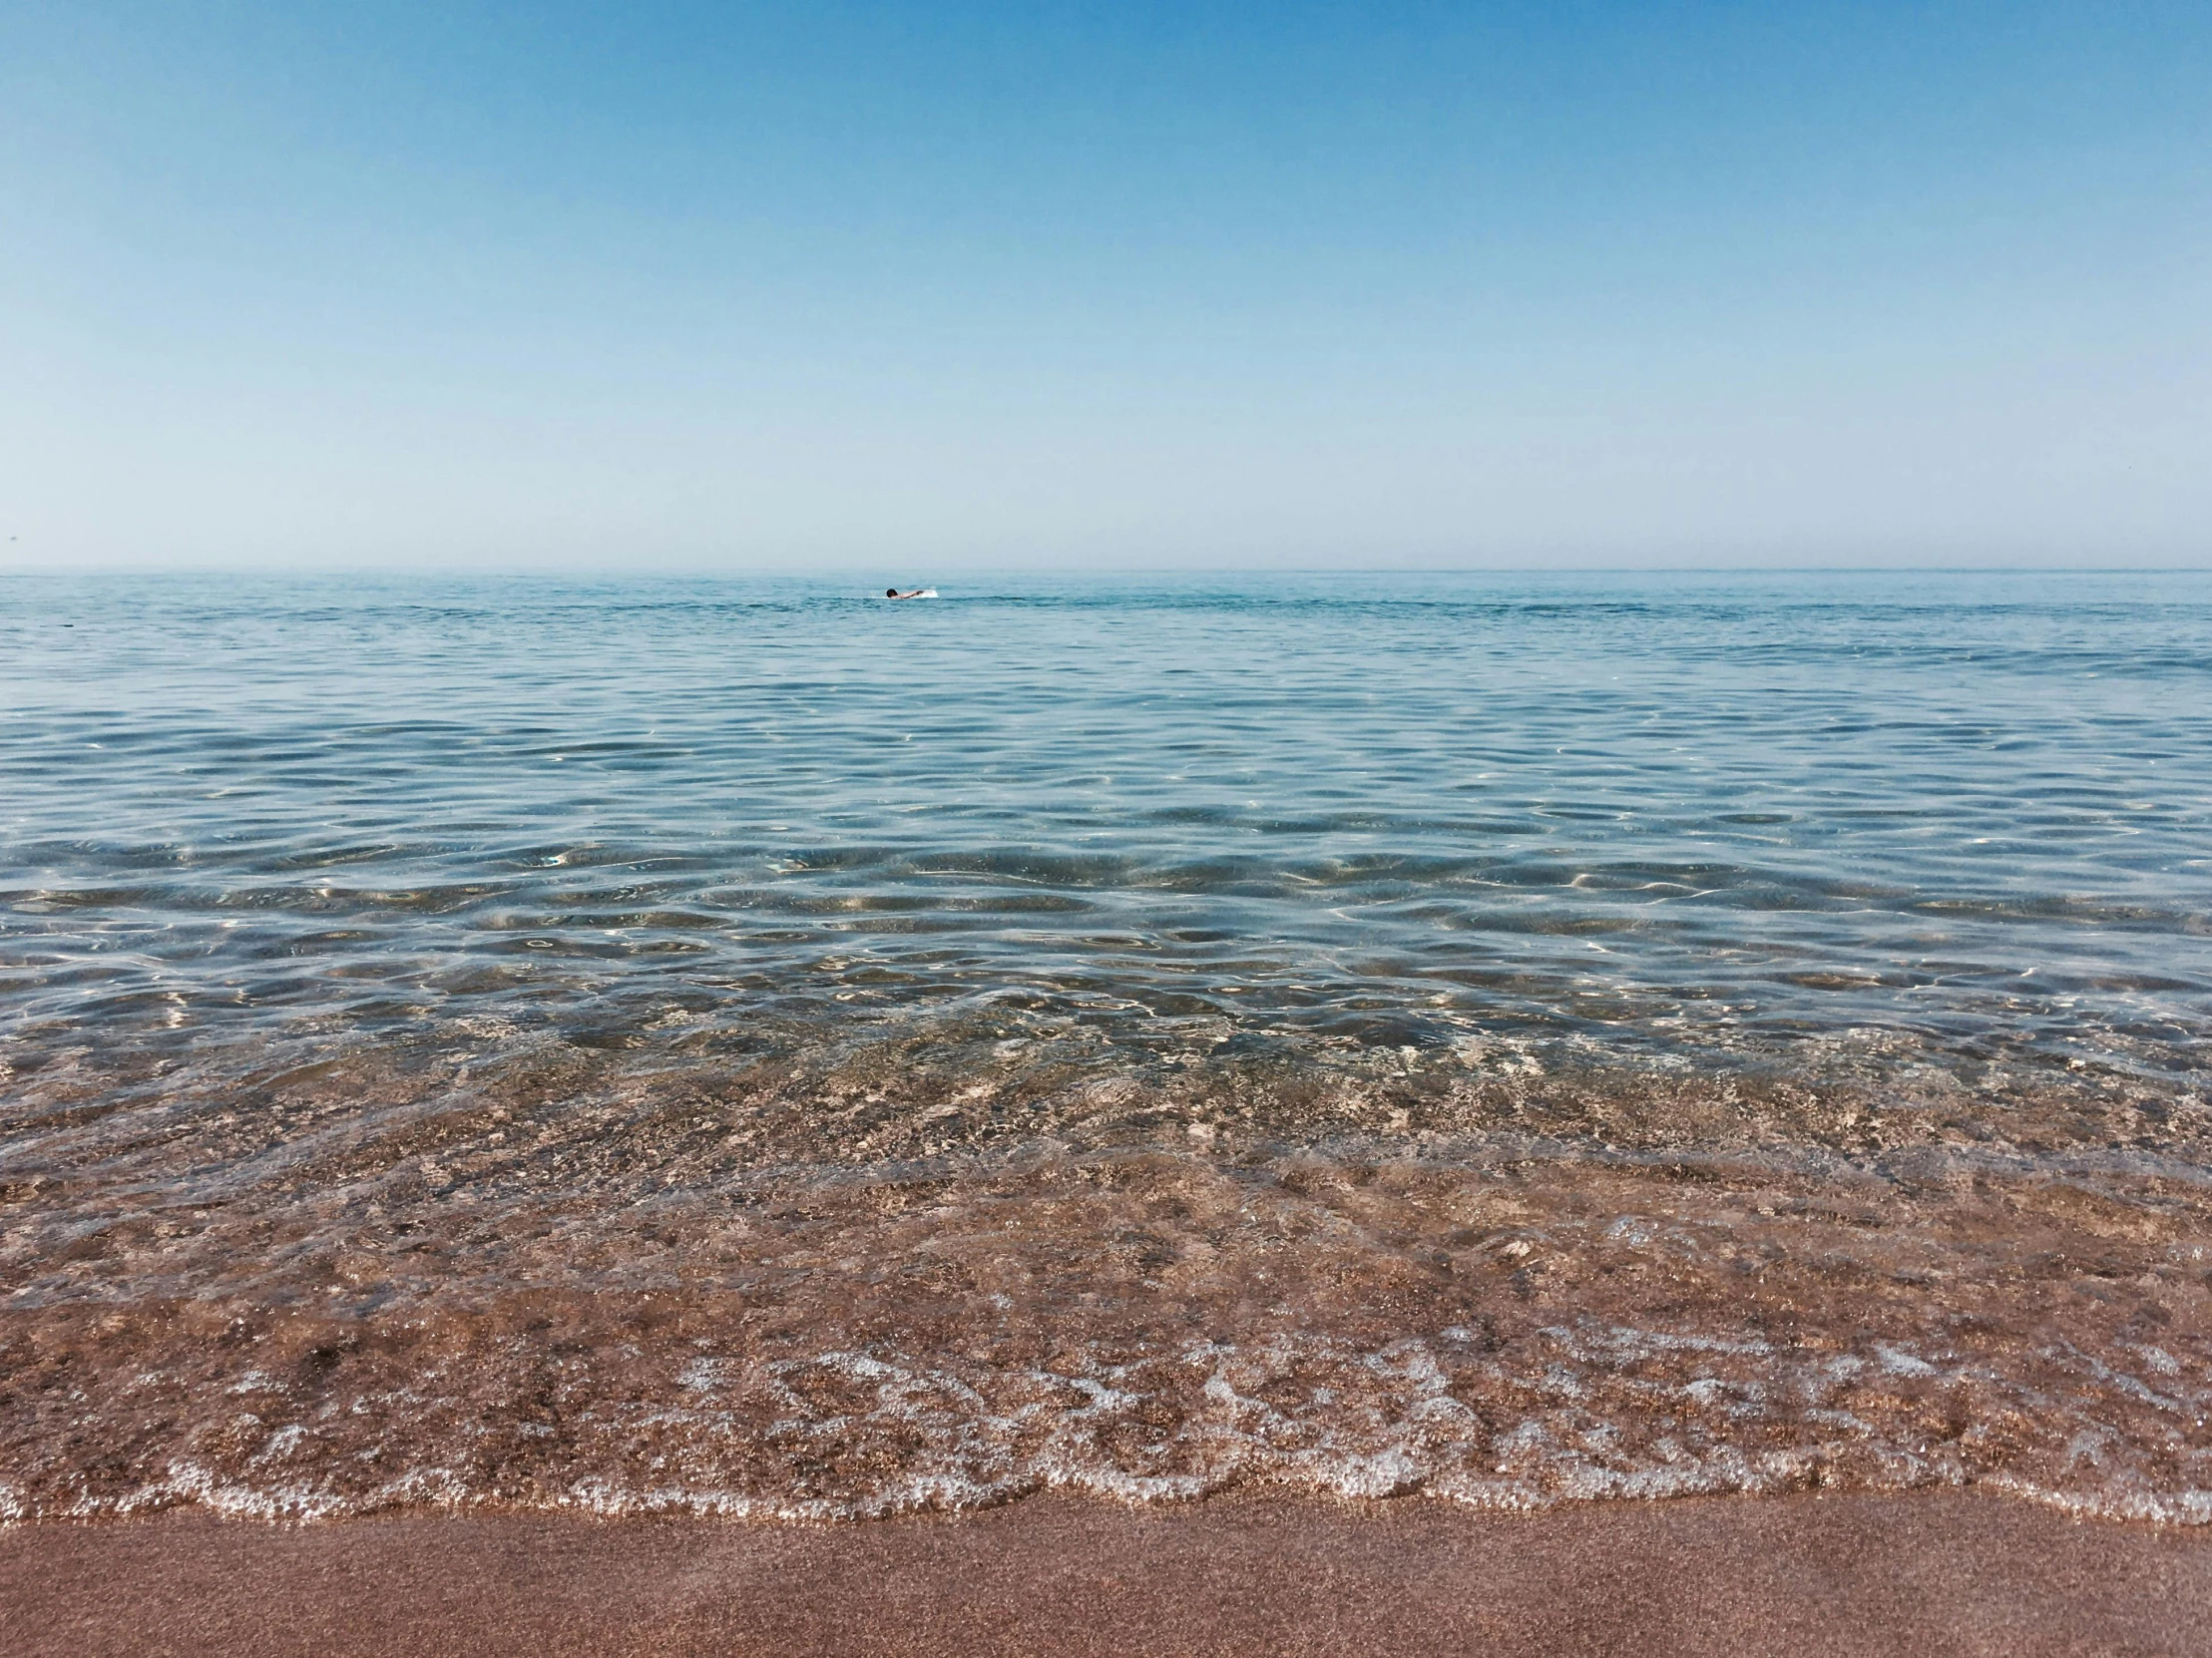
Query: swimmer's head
[[890, 593]]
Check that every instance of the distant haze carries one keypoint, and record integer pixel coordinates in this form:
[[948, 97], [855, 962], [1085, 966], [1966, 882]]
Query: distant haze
[[908, 289]]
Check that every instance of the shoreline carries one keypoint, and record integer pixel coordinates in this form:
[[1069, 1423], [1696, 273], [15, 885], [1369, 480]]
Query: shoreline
[[1063, 1577]]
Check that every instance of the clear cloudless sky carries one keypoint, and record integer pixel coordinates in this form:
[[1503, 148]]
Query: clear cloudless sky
[[917, 289]]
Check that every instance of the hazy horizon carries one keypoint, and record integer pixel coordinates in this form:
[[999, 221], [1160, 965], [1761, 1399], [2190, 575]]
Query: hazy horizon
[[977, 289]]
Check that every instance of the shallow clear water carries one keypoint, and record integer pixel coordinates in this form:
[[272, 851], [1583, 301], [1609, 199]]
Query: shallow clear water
[[1671, 813], [752, 1046]]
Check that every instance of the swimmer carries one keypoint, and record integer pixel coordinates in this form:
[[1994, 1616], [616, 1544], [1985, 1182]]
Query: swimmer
[[893, 593]]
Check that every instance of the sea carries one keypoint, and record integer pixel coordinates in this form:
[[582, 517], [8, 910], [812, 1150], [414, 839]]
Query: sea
[[668, 1044]]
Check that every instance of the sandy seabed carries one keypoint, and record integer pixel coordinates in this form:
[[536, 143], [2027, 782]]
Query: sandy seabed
[[1241, 1573]]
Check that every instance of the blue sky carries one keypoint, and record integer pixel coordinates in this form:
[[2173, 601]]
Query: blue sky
[[918, 289]]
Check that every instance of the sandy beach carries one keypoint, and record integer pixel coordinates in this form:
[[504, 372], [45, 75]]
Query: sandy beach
[[1054, 1576]]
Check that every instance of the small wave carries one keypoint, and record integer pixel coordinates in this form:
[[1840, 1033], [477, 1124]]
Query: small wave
[[1615, 1413]]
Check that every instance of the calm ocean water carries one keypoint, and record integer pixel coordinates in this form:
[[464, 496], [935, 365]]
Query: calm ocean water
[[484, 958], [1676, 815]]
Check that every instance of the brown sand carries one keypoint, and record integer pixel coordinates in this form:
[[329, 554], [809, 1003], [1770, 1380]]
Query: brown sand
[[1812, 1574]]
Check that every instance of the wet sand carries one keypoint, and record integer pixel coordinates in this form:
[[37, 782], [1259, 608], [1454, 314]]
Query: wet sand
[[1060, 1575]]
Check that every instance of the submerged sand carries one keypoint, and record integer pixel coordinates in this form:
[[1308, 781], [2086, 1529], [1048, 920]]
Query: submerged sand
[[676, 1289]]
